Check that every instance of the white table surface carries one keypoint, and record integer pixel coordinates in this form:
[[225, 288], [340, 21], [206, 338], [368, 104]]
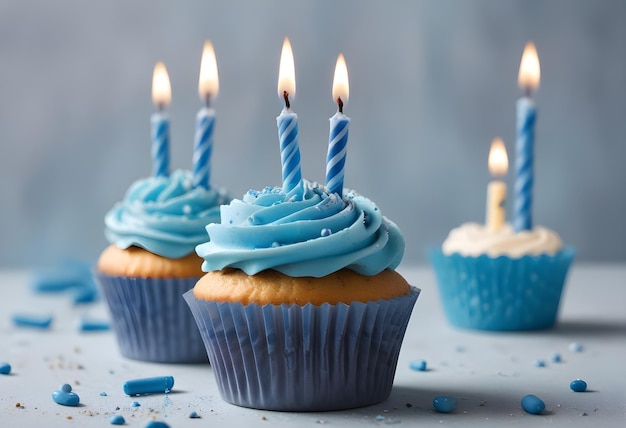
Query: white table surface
[[488, 372]]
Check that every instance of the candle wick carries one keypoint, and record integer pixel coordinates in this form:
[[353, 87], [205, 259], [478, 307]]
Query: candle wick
[[340, 104], [527, 91], [286, 97], [207, 100], [161, 107]]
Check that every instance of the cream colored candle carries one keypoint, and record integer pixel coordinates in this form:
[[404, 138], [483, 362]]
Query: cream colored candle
[[496, 190]]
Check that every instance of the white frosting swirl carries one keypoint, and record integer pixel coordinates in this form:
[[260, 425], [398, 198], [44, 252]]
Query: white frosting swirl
[[473, 239]]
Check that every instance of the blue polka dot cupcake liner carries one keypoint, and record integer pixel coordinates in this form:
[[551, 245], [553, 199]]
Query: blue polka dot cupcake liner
[[502, 293], [304, 358], [151, 320]]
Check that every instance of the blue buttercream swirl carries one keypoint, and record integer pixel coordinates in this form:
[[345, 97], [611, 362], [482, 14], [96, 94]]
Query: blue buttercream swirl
[[315, 235], [164, 215]]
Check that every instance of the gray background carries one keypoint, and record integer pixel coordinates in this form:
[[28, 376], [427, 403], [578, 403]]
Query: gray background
[[432, 82]]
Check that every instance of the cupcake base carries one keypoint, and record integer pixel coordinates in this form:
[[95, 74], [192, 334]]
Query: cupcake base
[[151, 320], [304, 358], [503, 293]]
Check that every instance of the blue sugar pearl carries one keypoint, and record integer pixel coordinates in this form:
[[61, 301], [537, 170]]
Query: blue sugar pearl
[[103, 394], [575, 347], [418, 365], [65, 397], [444, 404], [540, 363], [326, 232], [117, 420], [194, 415], [150, 385], [578, 385], [533, 404], [556, 358], [135, 404], [5, 368], [157, 424]]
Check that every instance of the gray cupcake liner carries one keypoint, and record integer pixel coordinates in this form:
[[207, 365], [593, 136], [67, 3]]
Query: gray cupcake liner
[[151, 320], [502, 293], [304, 358]]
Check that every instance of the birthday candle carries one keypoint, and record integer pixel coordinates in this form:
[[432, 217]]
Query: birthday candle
[[160, 129], [208, 88], [339, 124], [287, 123], [528, 79], [496, 190]]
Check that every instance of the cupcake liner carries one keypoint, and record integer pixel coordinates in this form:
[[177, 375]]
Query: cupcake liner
[[304, 358], [502, 293], [151, 320]]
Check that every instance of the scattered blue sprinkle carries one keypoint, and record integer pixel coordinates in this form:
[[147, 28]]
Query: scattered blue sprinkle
[[103, 394], [65, 397], [444, 403], [37, 321], [575, 347], [418, 365], [5, 368], [149, 385], [380, 418], [556, 358], [326, 232], [86, 324], [135, 404], [578, 385], [539, 363], [157, 424], [117, 420], [194, 415], [533, 404]]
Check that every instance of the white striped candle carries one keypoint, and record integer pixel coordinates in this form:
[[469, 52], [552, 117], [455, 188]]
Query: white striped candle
[[160, 125], [339, 124], [287, 123], [208, 88], [528, 79]]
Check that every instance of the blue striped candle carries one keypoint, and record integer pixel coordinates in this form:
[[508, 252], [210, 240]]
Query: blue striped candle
[[336, 158], [203, 147], [528, 81], [287, 123], [160, 125], [160, 144], [524, 157]]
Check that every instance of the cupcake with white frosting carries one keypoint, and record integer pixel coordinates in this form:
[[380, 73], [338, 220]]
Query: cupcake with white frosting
[[501, 279]]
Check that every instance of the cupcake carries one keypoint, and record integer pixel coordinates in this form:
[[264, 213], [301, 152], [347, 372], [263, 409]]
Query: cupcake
[[151, 262], [501, 280], [300, 307]]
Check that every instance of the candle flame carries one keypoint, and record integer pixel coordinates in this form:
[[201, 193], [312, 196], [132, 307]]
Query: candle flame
[[208, 84], [529, 69], [341, 85], [286, 72], [161, 88], [498, 159]]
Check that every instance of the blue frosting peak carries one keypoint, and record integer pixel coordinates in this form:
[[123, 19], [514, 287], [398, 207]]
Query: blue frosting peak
[[315, 235], [164, 215]]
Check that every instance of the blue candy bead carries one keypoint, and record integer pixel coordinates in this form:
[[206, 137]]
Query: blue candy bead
[[157, 424], [5, 368], [444, 404], [135, 404], [194, 415], [65, 397], [575, 347], [533, 404], [151, 385], [117, 420], [556, 358], [418, 365], [540, 363], [578, 385]]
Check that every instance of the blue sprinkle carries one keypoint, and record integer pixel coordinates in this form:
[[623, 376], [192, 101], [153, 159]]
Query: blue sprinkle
[[135, 404], [157, 424], [444, 404], [532, 404], [150, 385], [117, 420], [326, 232], [5, 368], [85, 294], [380, 418], [556, 358], [37, 321], [575, 347], [418, 365], [85, 324], [578, 385], [103, 394], [65, 397], [539, 363], [194, 415]]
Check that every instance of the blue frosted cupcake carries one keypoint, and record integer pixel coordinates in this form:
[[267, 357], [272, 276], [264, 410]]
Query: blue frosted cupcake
[[300, 308], [151, 262], [501, 280]]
